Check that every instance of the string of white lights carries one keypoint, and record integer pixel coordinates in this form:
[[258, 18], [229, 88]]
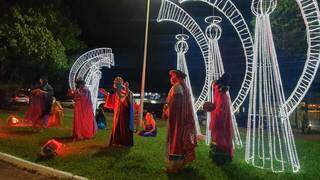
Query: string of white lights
[[181, 48], [270, 143]]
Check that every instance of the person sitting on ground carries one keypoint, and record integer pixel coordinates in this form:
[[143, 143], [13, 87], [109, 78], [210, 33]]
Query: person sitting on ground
[[150, 129], [100, 118], [55, 119]]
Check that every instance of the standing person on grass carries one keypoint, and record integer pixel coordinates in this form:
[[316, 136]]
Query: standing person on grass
[[121, 102], [181, 135], [46, 87], [84, 126], [221, 121]]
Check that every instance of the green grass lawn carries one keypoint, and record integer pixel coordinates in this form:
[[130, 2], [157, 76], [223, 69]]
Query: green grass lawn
[[146, 160]]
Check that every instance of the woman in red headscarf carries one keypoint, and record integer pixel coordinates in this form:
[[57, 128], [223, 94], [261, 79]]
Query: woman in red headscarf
[[221, 121]]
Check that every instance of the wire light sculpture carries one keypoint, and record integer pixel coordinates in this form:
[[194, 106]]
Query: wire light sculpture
[[170, 12], [270, 142], [213, 33], [182, 48], [311, 16], [88, 67], [173, 13], [231, 12]]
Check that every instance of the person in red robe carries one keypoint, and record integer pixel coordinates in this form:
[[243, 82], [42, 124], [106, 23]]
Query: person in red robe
[[181, 134], [221, 122], [35, 112], [121, 103], [84, 126]]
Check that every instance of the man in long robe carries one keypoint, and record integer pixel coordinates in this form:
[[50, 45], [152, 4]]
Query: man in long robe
[[84, 126], [181, 135], [221, 122], [46, 87], [121, 102]]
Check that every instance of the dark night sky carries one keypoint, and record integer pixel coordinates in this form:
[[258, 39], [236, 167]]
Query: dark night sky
[[119, 24]]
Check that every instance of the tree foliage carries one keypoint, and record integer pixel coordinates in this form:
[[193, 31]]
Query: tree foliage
[[288, 28], [36, 40]]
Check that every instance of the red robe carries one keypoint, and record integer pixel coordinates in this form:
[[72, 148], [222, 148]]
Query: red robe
[[221, 122], [83, 123], [121, 133], [35, 111], [181, 135], [55, 118]]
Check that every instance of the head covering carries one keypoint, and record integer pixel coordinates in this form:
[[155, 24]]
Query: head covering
[[44, 77], [80, 82], [118, 79], [224, 80], [179, 73]]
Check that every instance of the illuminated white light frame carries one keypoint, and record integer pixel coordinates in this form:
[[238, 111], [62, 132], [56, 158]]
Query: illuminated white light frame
[[182, 48], [270, 142], [311, 16], [231, 12], [213, 33], [173, 13], [88, 67], [84, 59]]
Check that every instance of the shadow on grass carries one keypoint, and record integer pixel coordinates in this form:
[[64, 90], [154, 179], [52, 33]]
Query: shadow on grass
[[17, 132], [233, 171], [186, 173], [117, 152]]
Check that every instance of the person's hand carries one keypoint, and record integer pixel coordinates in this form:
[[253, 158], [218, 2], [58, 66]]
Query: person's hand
[[201, 137], [103, 91], [126, 84], [71, 92]]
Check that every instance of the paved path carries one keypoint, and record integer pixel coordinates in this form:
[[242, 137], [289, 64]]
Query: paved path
[[9, 172]]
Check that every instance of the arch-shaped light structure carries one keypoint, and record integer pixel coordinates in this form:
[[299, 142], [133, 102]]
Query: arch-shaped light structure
[[231, 12], [88, 67]]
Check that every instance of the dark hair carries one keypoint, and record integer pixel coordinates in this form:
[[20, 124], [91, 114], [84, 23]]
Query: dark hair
[[224, 80], [179, 73], [44, 78], [80, 82]]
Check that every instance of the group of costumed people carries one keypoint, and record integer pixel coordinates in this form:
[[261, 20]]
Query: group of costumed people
[[44, 111], [181, 132]]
